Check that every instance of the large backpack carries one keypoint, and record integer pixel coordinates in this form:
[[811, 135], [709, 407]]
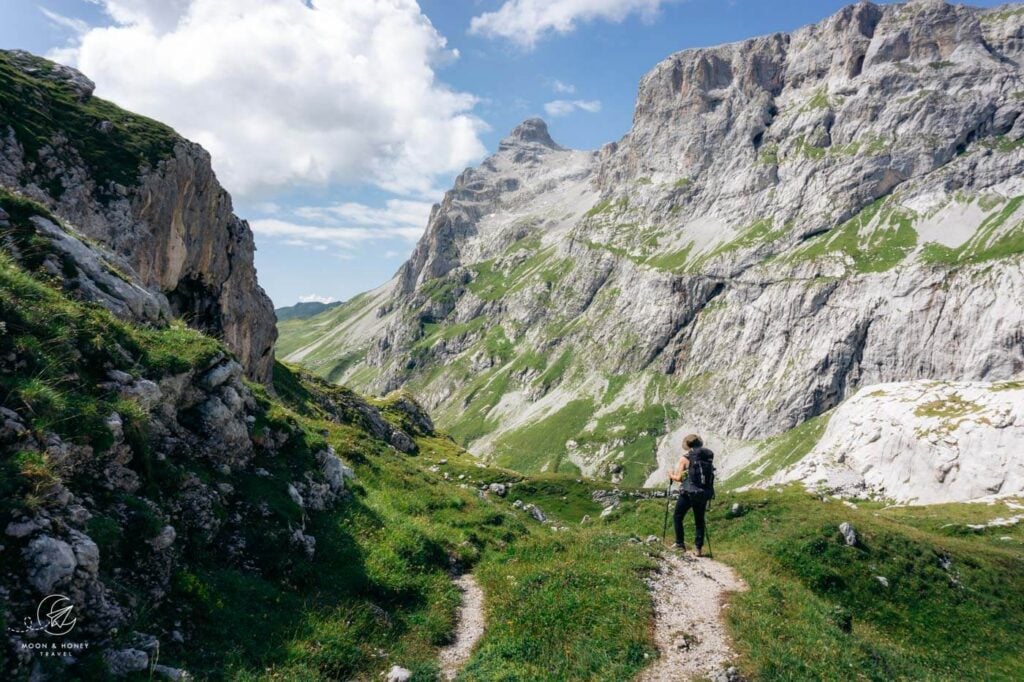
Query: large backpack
[[702, 470]]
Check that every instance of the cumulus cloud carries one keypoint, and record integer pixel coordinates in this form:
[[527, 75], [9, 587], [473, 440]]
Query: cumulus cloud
[[525, 22], [564, 107], [563, 88], [316, 298], [287, 92]]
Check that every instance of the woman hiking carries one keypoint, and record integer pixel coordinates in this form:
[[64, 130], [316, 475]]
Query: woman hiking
[[696, 472]]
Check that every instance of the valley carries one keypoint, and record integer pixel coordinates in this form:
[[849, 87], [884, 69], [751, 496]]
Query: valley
[[807, 248]]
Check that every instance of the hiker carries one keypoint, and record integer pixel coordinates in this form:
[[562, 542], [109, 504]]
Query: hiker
[[696, 472]]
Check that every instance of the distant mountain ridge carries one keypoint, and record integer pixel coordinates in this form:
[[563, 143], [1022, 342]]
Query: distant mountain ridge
[[303, 310], [791, 220]]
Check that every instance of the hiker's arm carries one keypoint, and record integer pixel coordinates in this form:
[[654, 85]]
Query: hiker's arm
[[680, 468]]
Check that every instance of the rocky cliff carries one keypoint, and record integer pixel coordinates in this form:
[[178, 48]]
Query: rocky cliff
[[140, 189], [135, 463], [790, 219]]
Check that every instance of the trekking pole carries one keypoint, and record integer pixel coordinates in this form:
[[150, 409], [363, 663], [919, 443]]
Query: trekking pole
[[668, 501], [707, 538]]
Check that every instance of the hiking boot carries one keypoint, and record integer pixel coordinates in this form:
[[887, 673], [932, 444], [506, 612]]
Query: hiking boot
[[699, 553], [679, 548]]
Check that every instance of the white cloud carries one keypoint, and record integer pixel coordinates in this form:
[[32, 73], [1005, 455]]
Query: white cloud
[[283, 93], [526, 21], [346, 237], [70, 23], [564, 107], [316, 298], [160, 15], [395, 213], [564, 88]]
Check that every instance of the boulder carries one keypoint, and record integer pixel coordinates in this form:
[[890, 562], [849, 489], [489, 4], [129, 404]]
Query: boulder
[[124, 661], [87, 553], [398, 674], [849, 534], [164, 539], [50, 561]]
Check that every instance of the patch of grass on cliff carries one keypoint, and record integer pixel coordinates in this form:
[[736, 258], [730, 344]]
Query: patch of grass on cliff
[[473, 422], [565, 607], [554, 374], [606, 206], [778, 452], [874, 240], [492, 281], [40, 110], [635, 431], [757, 233], [993, 239], [63, 347], [953, 406], [540, 446], [673, 261]]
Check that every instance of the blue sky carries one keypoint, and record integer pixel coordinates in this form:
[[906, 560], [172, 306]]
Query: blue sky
[[335, 135]]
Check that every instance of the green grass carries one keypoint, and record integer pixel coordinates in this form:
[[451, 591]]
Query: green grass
[[540, 446], [65, 347], [608, 205], [815, 609], [803, 148], [673, 261], [778, 452], [818, 101], [757, 233], [995, 238], [877, 239], [564, 607], [492, 283], [637, 428], [298, 333], [769, 155], [39, 110]]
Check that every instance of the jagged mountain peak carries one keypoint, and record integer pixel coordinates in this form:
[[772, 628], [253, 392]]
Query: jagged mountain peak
[[532, 131], [790, 219]]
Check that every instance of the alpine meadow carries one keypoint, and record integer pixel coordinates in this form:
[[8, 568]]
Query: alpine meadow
[[736, 397]]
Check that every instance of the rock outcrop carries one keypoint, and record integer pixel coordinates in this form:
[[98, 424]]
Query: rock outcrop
[[921, 442], [130, 453], [141, 190], [790, 219]]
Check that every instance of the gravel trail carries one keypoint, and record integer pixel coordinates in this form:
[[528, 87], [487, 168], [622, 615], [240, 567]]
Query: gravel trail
[[689, 596], [468, 629]]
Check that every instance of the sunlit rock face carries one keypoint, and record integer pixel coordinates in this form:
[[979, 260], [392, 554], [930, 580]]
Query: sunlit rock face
[[790, 219]]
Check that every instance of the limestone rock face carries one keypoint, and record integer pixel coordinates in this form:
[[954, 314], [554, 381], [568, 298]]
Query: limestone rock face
[[789, 220], [922, 442], [145, 193]]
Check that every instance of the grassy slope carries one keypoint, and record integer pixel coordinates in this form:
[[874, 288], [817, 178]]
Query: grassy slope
[[815, 609], [41, 111], [567, 605], [378, 591]]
